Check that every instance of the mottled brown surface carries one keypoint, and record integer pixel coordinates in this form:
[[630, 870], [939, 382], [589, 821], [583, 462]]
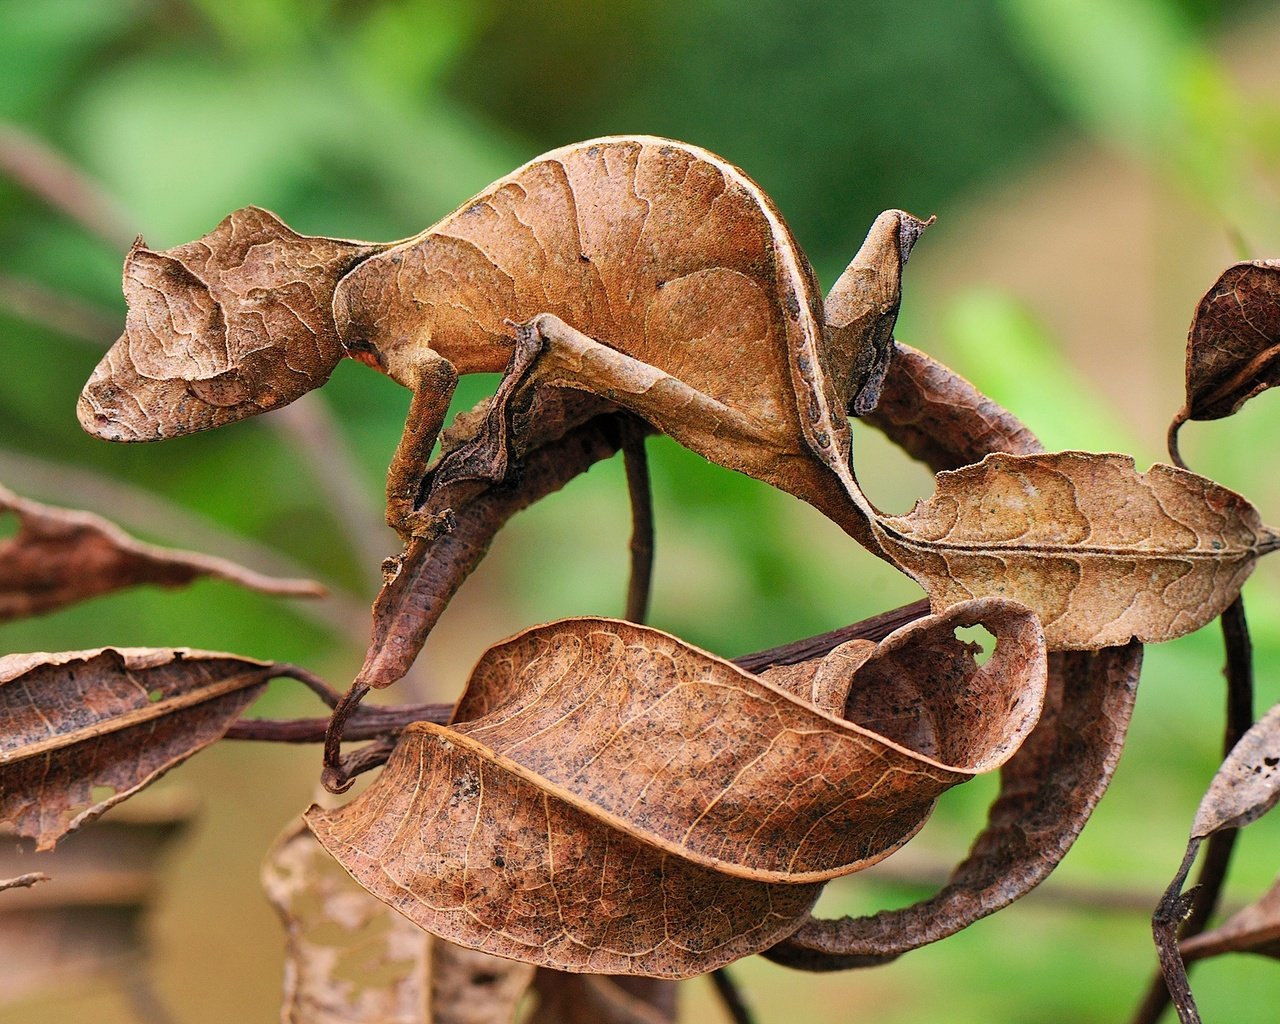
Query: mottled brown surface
[[117, 718], [1101, 552], [616, 801], [60, 556]]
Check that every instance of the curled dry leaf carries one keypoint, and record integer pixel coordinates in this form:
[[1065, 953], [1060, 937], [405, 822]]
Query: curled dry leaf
[[59, 556], [117, 718], [1050, 786], [1233, 346], [351, 959], [615, 801], [1253, 929], [1102, 553], [938, 417]]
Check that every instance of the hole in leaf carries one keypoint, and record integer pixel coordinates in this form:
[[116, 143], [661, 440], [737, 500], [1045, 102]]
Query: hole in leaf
[[982, 639], [155, 696], [9, 526]]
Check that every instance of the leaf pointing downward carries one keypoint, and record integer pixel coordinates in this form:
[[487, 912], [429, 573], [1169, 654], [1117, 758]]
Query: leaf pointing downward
[[1101, 552], [1233, 347], [624, 803]]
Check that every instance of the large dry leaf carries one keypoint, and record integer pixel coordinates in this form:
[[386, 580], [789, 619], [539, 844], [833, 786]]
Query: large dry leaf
[[1233, 346], [1049, 788], [616, 801], [1047, 792], [59, 556], [1252, 929], [1102, 553], [75, 722]]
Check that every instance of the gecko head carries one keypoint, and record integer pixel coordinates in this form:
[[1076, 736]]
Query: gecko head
[[233, 324]]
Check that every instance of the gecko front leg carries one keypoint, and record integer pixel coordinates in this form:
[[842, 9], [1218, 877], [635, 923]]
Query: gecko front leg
[[432, 379]]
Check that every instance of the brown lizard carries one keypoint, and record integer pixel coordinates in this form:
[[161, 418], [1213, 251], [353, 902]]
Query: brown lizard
[[647, 272]]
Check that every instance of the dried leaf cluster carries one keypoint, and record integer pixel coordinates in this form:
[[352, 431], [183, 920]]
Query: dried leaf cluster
[[606, 799]]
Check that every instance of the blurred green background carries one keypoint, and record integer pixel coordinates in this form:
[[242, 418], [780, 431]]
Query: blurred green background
[[1093, 166]]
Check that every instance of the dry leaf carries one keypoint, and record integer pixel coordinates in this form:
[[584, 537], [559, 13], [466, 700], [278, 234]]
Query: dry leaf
[[1049, 788], [592, 999], [348, 957], [75, 722], [419, 584], [1242, 791], [1253, 929], [60, 556], [470, 987], [649, 808], [351, 959], [938, 417], [1102, 553], [1248, 783], [1233, 346]]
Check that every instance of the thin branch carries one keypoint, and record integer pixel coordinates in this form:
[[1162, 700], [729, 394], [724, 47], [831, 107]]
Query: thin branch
[[390, 721], [314, 433], [637, 468], [64, 314], [32, 163], [875, 628], [727, 989], [1220, 845]]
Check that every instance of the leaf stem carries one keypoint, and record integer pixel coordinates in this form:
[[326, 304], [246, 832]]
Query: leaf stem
[[731, 997], [637, 467], [1219, 847]]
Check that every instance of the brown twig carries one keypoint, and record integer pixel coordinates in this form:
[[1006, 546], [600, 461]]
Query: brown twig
[[877, 627], [36, 166], [637, 468], [385, 722], [68, 315], [727, 989], [1219, 847]]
